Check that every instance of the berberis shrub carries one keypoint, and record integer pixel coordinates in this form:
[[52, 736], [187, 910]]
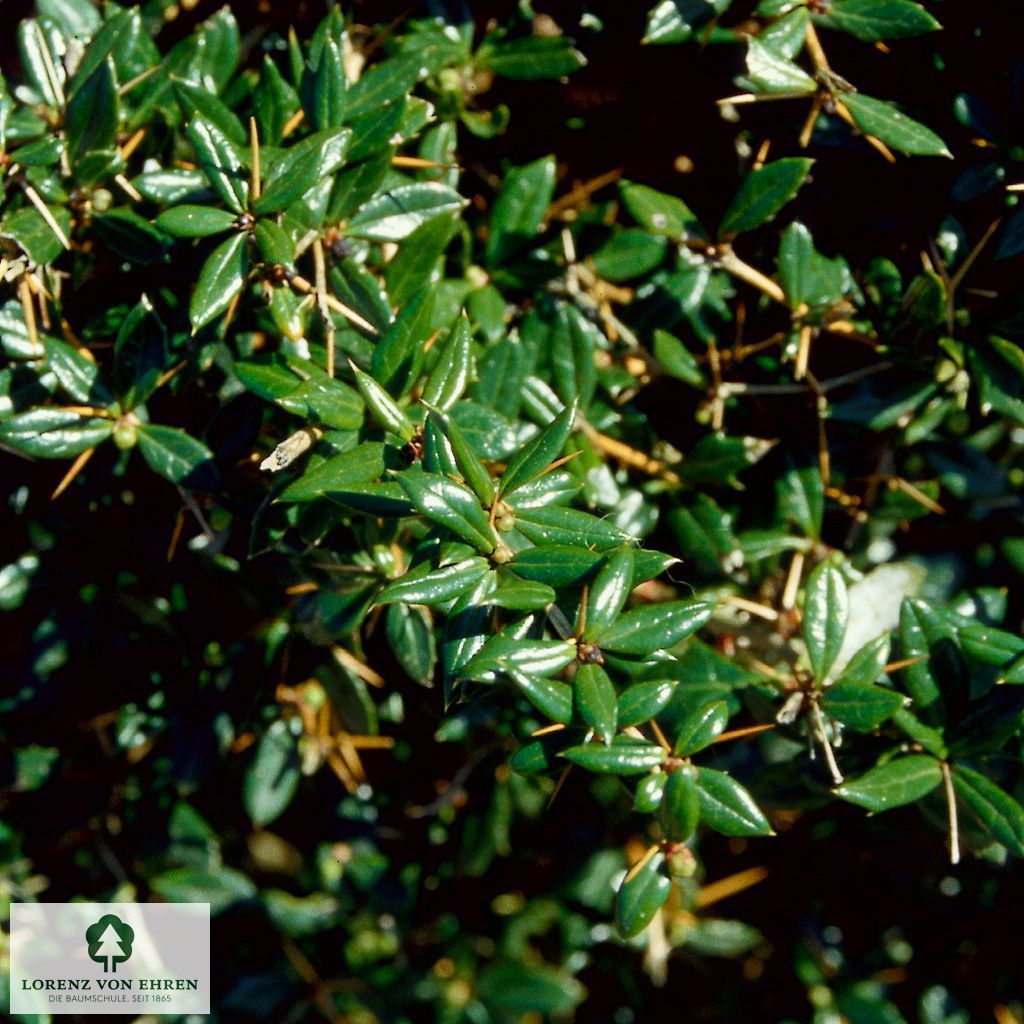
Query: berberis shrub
[[423, 556]]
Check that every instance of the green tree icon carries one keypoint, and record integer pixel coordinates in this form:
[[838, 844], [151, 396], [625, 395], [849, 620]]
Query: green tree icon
[[110, 942]]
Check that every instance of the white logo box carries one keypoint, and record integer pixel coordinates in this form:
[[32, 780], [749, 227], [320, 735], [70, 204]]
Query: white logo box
[[134, 958]]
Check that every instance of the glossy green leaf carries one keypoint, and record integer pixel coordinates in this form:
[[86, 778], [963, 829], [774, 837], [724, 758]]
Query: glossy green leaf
[[272, 778], [679, 813], [596, 700], [1001, 815], [412, 268], [396, 213], [450, 375], [727, 807], [567, 526], [877, 20], [642, 894], [659, 213], [771, 72], [53, 433], [894, 128], [410, 633], [642, 701], [867, 665], [188, 221], [222, 277], [511, 655], [826, 614], [700, 728], [301, 166], [676, 21], [550, 697], [468, 462], [424, 585], [452, 505], [383, 407], [399, 354], [92, 115], [79, 375], [763, 194], [519, 210], [220, 162], [894, 783], [178, 456], [624, 757], [651, 628], [608, 593], [536, 456], [531, 58], [861, 706]]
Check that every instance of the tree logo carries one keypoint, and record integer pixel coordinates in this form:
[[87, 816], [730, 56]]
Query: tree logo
[[110, 942]]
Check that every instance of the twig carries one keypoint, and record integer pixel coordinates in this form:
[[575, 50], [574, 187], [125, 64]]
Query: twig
[[954, 822]]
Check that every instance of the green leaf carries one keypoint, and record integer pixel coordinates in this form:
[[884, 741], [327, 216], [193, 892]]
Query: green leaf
[[629, 254], [424, 585], [92, 115], [399, 354], [659, 213], [382, 406], [642, 701], [649, 793], [886, 122], [680, 806], [764, 192], [220, 887], [642, 894], [54, 433], [273, 244], [727, 807], [179, 457], [1001, 815], [302, 388], [221, 279], [534, 457], [991, 646], [323, 86], [552, 698], [79, 375], [676, 21], [316, 157], [514, 656], [625, 756], [654, 627], [471, 468], [800, 497], [893, 784], [596, 701], [874, 21], [806, 276], [826, 613], [519, 210], [564, 565], [513, 988], [412, 269], [676, 360], [521, 595], [363, 464], [770, 72], [272, 777], [568, 526], [450, 375], [197, 101], [410, 633], [867, 665], [188, 221], [861, 706], [920, 630], [221, 164], [395, 214], [452, 505], [34, 235], [608, 593], [531, 58], [700, 728]]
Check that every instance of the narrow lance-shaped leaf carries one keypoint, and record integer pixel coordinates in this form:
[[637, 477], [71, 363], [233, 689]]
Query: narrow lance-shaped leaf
[[642, 894], [220, 280], [178, 456], [680, 805], [452, 505], [434, 586], [764, 192], [220, 163], [190, 221], [897, 782], [700, 728], [1001, 815], [886, 122], [633, 758], [596, 700], [727, 807], [382, 406], [450, 375], [875, 21], [643, 630], [609, 592], [536, 456], [826, 613]]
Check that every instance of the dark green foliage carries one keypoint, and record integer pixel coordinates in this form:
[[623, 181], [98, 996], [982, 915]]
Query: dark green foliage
[[469, 493]]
